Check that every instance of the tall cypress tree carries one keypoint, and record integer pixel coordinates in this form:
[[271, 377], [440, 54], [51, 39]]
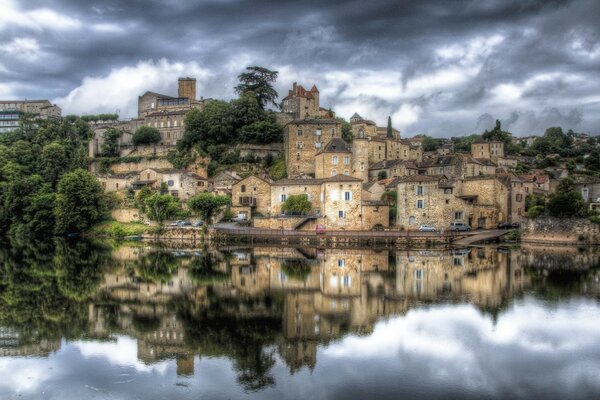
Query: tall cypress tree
[[390, 132]]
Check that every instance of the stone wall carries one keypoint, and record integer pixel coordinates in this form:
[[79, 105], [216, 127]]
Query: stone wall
[[126, 215], [124, 167], [286, 223], [560, 230], [373, 215]]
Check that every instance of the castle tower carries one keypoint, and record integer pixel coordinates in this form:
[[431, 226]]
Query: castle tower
[[360, 159], [187, 88]]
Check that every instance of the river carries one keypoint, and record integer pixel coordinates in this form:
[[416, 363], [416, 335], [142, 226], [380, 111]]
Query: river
[[94, 320]]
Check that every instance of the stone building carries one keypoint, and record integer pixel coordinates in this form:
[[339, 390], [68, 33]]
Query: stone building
[[489, 149], [335, 158], [457, 166], [589, 187], [151, 102], [180, 183], [436, 200], [12, 110], [302, 104], [303, 139], [222, 182], [394, 168], [251, 196]]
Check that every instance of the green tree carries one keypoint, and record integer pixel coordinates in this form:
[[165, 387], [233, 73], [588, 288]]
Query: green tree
[[430, 144], [213, 125], [261, 132], [78, 202], [54, 162], [146, 135], [347, 134], [390, 131], [161, 207], [464, 143], [296, 204], [592, 162], [208, 204], [566, 201], [110, 143], [259, 80]]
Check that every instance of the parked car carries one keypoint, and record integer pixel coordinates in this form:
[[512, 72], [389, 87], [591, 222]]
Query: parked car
[[239, 218], [176, 223], [459, 226], [427, 228], [198, 223], [184, 223], [508, 225]]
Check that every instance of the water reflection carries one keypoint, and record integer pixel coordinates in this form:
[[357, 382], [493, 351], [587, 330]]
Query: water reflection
[[272, 319]]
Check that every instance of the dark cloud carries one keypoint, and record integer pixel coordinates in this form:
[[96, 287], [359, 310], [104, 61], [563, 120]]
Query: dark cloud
[[466, 49]]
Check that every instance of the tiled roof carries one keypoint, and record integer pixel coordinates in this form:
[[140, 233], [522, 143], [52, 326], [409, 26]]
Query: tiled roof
[[341, 178], [336, 145], [421, 178]]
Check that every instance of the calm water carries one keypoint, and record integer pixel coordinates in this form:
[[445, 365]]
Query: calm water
[[81, 320]]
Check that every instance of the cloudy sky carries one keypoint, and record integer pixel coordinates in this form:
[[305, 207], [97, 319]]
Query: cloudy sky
[[438, 67]]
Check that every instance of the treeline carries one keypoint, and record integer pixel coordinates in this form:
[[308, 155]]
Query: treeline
[[97, 117], [45, 187]]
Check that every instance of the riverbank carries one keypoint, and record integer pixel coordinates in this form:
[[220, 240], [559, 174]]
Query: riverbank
[[560, 231]]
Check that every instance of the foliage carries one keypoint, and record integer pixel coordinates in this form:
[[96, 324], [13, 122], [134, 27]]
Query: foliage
[[110, 143], [296, 269], [381, 175], [119, 230], [592, 162], [146, 135], [268, 160], [347, 133], [566, 201], [54, 162], [514, 234], [389, 130], [522, 168], [99, 117], [141, 196], [464, 143], [208, 204], [78, 202], [259, 81], [161, 207], [156, 266], [179, 159], [261, 132], [278, 170], [297, 204], [430, 144], [506, 137]]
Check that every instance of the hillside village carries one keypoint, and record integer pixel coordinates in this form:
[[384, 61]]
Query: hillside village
[[352, 175]]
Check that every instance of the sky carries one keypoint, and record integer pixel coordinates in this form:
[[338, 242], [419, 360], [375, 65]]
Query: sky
[[443, 68]]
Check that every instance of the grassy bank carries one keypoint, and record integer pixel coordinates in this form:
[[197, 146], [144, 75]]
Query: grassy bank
[[119, 230]]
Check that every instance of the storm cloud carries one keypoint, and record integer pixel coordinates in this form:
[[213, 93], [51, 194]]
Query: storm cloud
[[437, 67]]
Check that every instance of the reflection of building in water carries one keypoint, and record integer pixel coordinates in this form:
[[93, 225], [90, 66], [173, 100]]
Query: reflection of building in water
[[12, 344], [484, 276]]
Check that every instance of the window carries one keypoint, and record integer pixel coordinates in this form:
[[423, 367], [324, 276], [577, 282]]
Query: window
[[418, 274], [519, 197], [346, 281], [334, 160], [342, 214], [411, 220], [318, 132], [283, 197], [448, 191], [300, 145], [420, 190], [170, 183], [333, 172], [243, 188], [458, 215], [297, 156], [318, 145], [341, 262], [299, 132], [420, 204], [347, 196], [347, 160]]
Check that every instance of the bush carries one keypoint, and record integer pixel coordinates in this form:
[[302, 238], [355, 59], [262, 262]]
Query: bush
[[278, 170], [146, 135], [535, 211]]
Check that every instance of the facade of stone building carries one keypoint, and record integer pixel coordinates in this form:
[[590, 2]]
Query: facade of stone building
[[335, 158], [303, 104], [360, 159], [487, 149], [282, 189], [180, 183], [303, 139], [222, 182], [170, 124], [251, 195], [589, 187], [12, 110], [435, 200]]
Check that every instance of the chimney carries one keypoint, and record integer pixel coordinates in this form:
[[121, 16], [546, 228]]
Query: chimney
[[187, 88]]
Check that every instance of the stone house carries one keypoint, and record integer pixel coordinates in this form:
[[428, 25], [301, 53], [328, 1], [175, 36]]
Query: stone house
[[303, 139], [115, 182], [490, 149], [372, 191], [457, 165], [436, 200], [180, 183], [222, 182], [251, 196], [589, 187], [335, 158], [168, 123]]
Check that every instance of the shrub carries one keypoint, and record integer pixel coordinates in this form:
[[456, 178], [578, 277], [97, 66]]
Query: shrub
[[146, 135]]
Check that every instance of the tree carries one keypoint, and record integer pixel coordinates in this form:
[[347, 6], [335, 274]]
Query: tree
[[110, 144], [213, 125], [78, 202], [390, 131], [141, 196], [566, 201], [146, 135], [54, 162], [430, 144], [261, 132], [160, 207], [347, 133], [259, 81], [592, 162], [208, 204], [381, 175], [296, 204]]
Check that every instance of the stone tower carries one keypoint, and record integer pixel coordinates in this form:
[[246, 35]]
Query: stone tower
[[187, 88], [360, 158]]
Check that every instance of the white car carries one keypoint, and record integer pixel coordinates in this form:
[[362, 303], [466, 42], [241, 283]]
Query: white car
[[427, 228], [239, 218]]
